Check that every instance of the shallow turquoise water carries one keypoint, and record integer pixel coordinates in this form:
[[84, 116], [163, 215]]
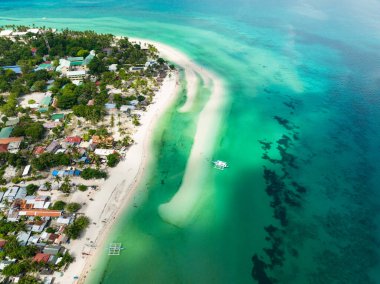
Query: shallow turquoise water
[[300, 131]]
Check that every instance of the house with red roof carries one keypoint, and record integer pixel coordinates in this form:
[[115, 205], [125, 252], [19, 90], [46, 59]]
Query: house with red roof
[[73, 140], [39, 150], [41, 257]]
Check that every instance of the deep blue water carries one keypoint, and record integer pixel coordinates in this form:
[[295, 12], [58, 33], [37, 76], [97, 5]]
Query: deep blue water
[[301, 131]]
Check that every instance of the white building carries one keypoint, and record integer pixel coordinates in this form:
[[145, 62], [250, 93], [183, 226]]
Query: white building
[[76, 76], [104, 152]]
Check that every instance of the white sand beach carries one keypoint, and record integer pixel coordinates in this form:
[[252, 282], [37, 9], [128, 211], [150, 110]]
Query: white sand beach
[[117, 191]]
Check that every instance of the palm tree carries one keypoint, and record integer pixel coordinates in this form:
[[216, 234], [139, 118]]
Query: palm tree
[[57, 179], [47, 185]]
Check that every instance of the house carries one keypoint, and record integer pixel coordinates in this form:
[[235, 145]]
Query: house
[[39, 150], [46, 101], [23, 237], [14, 34], [15, 68], [45, 66], [33, 31], [134, 103], [64, 66], [57, 117], [64, 220], [52, 249], [36, 202], [127, 108], [12, 121], [2, 243], [41, 257], [14, 141], [6, 132], [104, 152], [61, 239], [149, 63], [14, 146], [14, 193], [3, 148], [51, 124], [63, 173], [5, 263], [12, 215], [110, 106], [26, 171], [76, 76], [73, 140], [89, 58], [40, 213], [136, 68], [33, 239], [39, 226], [112, 68], [87, 145], [53, 147]]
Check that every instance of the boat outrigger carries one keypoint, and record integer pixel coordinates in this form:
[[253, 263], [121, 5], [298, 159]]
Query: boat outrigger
[[114, 249], [220, 165]]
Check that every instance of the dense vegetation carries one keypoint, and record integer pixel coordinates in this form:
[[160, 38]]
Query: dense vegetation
[[48, 160], [90, 173], [75, 229]]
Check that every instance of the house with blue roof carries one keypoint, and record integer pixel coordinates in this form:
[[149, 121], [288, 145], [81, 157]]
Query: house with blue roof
[[14, 68]]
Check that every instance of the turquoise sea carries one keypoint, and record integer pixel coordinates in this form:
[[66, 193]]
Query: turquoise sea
[[301, 132]]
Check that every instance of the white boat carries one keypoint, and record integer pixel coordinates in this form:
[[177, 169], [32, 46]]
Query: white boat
[[220, 165]]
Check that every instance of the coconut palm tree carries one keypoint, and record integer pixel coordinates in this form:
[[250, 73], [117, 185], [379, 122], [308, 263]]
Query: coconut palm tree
[[57, 179], [47, 185]]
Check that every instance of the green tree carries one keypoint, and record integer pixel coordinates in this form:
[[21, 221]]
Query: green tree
[[73, 207], [31, 189], [59, 205], [35, 131], [39, 86], [29, 280], [113, 160], [96, 66]]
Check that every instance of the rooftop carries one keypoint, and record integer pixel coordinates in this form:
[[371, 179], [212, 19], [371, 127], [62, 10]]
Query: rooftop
[[6, 132]]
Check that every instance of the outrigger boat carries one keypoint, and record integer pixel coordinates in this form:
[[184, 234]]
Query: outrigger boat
[[220, 165]]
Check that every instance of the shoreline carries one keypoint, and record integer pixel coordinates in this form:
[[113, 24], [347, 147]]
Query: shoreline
[[122, 192], [116, 192]]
